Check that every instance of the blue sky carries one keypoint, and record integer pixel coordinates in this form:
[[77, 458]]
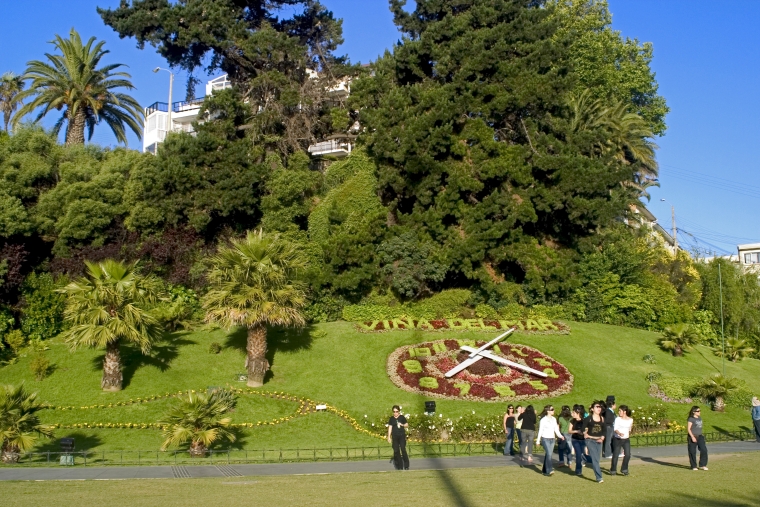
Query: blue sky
[[706, 56]]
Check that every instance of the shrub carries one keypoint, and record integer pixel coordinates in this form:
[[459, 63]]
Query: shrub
[[483, 311], [678, 388], [42, 310], [446, 304], [214, 348], [649, 359], [741, 397], [325, 308], [15, 340], [513, 311], [40, 366]]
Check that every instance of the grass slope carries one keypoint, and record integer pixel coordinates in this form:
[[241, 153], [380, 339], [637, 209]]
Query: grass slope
[[336, 364]]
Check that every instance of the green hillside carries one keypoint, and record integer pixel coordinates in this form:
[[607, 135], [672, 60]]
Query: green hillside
[[335, 364]]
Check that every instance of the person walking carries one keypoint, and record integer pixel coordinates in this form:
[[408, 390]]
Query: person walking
[[609, 421], [577, 438], [509, 430], [756, 417], [696, 439], [565, 447], [621, 440], [547, 430], [397, 425], [528, 430], [518, 426], [594, 432]]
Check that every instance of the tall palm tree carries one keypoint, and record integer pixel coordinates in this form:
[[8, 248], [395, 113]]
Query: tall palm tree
[[715, 389], [11, 86], [736, 349], [678, 337], [198, 419], [255, 282], [19, 423], [72, 82], [106, 309]]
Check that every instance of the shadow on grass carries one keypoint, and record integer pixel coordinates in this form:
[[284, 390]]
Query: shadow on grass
[[675, 499], [279, 339], [82, 441], [132, 359], [663, 463]]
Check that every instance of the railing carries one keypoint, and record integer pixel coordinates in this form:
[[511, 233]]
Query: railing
[[332, 147], [187, 105], [383, 451], [162, 107]]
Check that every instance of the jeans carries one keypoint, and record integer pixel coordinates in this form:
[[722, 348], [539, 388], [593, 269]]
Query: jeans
[[526, 450], [608, 441], [400, 457], [595, 453], [519, 439], [509, 445], [700, 443], [548, 445], [564, 448], [757, 429], [578, 445], [617, 444]]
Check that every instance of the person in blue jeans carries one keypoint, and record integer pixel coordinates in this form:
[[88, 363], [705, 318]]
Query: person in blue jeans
[[547, 430], [756, 417], [594, 432], [509, 429], [577, 439]]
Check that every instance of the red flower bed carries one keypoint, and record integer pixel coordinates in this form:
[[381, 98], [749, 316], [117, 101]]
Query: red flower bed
[[421, 369]]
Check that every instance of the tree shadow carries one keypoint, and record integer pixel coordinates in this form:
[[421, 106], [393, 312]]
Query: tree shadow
[[82, 441], [675, 499], [729, 433], [279, 339], [132, 359]]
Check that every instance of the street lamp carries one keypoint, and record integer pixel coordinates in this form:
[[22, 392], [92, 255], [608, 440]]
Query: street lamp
[[169, 109]]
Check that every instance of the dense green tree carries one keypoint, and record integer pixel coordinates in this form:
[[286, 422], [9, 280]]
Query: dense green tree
[[272, 58], [290, 194], [469, 124], [107, 308], [256, 282], [73, 82], [10, 86], [610, 67]]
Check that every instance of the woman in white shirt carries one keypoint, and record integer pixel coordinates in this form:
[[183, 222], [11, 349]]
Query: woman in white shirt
[[547, 429], [621, 440]]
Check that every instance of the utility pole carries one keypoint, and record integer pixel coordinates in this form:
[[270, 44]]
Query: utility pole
[[675, 237], [722, 336]]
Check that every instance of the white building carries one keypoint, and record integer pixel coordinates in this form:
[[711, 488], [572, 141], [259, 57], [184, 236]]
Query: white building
[[749, 257], [184, 113], [643, 217]]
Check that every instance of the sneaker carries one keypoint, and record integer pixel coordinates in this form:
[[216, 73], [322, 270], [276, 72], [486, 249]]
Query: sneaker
[[695, 468], [551, 473], [705, 468], [613, 473], [625, 473], [621, 455], [580, 474], [600, 481]]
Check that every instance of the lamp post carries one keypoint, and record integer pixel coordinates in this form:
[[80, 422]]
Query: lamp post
[[169, 108]]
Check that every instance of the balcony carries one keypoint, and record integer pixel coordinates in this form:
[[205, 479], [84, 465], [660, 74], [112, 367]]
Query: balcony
[[336, 146]]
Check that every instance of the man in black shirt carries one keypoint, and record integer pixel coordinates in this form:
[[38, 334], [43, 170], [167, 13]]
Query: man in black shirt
[[609, 420], [397, 437]]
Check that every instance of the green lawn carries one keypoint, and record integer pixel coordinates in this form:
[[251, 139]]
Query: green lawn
[[731, 482], [336, 364]]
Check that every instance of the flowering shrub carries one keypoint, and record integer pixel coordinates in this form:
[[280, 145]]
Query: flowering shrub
[[421, 369], [650, 418], [440, 428], [532, 326]]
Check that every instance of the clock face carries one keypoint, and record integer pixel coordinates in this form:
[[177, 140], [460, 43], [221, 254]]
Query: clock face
[[421, 369]]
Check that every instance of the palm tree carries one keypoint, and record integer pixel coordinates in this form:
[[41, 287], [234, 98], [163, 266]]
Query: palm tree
[[198, 419], [715, 389], [19, 423], [72, 82], [105, 309], [11, 86], [678, 337], [255, 282], [736, 349]]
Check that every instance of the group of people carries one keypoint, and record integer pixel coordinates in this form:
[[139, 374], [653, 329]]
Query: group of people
[[602, 432]]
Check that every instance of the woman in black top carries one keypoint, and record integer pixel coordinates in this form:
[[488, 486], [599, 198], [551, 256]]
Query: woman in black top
[[397, 437], [594, 431], [578, 442], [528, 419], [509, 429]]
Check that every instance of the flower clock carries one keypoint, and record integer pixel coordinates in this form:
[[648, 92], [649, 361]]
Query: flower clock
[[422, 369]]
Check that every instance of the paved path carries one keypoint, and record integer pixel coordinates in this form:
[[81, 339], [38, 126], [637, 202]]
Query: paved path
[[646, 454]]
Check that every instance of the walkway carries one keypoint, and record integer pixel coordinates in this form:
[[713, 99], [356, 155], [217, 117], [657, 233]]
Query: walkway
[[646, 454]]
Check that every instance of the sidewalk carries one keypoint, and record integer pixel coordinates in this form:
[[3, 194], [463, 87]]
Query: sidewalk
[[234, 470]]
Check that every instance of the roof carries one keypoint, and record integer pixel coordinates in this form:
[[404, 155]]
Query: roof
[[749, 246]]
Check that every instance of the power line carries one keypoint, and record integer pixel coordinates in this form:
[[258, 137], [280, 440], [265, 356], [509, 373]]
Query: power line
[[715, 182]]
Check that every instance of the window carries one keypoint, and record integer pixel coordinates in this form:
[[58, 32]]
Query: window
[[752, 258]]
